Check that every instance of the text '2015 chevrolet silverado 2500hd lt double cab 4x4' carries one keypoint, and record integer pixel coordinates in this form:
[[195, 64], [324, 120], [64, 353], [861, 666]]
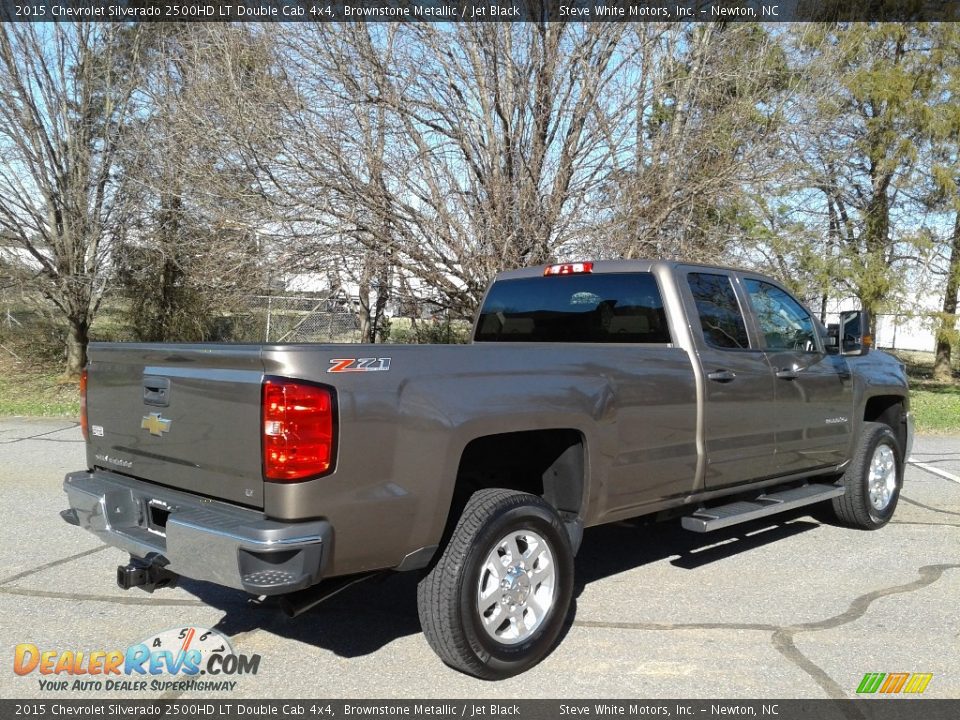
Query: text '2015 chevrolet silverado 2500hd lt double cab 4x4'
[[591, 393]]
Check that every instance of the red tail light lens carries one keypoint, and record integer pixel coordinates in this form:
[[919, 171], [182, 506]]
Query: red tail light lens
[[84, 423], [298, 430]]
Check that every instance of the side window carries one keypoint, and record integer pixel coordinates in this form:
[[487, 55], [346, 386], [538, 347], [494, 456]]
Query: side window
[[719, 311], [784, 323]]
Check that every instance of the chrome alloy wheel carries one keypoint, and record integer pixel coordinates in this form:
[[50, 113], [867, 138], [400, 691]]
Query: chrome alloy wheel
[[882, 480], [517, 587]]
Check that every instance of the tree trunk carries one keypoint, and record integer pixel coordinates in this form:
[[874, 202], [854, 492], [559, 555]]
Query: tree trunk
[[946, 333], [77, 338], [363, 311]]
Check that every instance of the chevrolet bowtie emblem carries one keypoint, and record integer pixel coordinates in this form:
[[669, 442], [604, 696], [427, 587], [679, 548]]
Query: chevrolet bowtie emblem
[[155, 424]]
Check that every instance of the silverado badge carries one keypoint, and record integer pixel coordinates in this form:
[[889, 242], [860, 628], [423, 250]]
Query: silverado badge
[[156, 424]]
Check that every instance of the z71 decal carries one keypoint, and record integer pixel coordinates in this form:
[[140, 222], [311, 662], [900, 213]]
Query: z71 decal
[[359, 365]]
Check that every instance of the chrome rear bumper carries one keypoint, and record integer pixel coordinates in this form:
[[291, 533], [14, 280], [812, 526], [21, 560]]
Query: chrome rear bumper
[[199, 538]]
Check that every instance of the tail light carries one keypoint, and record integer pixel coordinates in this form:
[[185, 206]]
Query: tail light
[[84, 423], [298, 430]]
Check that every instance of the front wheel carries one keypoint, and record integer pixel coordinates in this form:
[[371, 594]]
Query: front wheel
[[494, 604], [873, 481]]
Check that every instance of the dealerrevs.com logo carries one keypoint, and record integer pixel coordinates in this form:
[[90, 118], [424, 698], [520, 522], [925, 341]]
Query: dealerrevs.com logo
[[199, 659]]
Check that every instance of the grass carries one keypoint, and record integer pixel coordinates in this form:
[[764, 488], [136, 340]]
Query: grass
[[34, 390], [935, 405], [936, 408]]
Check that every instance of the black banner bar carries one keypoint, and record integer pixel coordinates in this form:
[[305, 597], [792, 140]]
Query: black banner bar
[[880, 708], [480, 10]]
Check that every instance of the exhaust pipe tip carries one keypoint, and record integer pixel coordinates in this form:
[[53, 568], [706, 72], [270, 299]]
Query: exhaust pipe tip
[[289, 608], [297, 603]]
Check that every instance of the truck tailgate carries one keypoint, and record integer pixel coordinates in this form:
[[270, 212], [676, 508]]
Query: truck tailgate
[[185, 416]]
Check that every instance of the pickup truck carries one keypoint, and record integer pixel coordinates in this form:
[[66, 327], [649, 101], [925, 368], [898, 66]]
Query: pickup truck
[[591, 392]]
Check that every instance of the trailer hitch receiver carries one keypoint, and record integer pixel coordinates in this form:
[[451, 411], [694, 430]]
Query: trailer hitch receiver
[[148, 574]]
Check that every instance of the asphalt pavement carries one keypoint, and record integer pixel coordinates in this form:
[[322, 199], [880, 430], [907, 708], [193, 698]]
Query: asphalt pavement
[[789, 607]]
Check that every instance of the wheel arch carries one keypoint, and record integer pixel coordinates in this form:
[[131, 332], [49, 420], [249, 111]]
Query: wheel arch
[[550, 463], [890, 410]]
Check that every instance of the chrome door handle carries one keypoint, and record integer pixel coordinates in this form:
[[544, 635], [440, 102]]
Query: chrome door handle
[[788, 374], [721, 376]]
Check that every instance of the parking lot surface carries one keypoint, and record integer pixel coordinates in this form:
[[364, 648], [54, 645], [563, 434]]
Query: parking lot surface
[[781, 608]]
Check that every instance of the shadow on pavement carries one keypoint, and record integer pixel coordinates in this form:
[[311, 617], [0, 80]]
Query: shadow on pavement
[[641, 544], [372, 614]]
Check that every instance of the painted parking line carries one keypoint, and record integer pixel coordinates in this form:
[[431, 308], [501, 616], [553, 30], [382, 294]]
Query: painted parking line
[[935, 470]]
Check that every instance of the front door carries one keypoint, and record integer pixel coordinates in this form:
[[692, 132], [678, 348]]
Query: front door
[[813, 393]]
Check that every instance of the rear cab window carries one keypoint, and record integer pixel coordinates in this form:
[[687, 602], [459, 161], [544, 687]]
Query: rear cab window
[[577, 308]]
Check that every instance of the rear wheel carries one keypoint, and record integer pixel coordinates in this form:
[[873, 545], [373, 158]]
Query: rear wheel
[[872, 482], [494, 604]]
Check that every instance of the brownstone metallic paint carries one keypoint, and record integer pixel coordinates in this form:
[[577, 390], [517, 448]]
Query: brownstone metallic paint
[[645, 412]]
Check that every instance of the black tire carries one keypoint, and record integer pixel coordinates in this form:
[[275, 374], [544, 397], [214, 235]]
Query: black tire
[[855, 508], [447, 598]]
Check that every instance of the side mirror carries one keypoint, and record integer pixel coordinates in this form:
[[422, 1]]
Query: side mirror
[[853, 333]]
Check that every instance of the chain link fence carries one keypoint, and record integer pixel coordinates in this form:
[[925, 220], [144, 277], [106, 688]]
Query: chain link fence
[[334, 319], [285, 319], [259, 318]]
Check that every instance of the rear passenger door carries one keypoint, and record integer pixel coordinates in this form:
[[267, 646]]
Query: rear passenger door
[[739, 419], [814, 393]]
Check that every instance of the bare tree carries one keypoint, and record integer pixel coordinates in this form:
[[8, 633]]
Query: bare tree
[[442, 154], [707, 131], [431, 157], [65, 104], [331, 174], [194, 250]]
